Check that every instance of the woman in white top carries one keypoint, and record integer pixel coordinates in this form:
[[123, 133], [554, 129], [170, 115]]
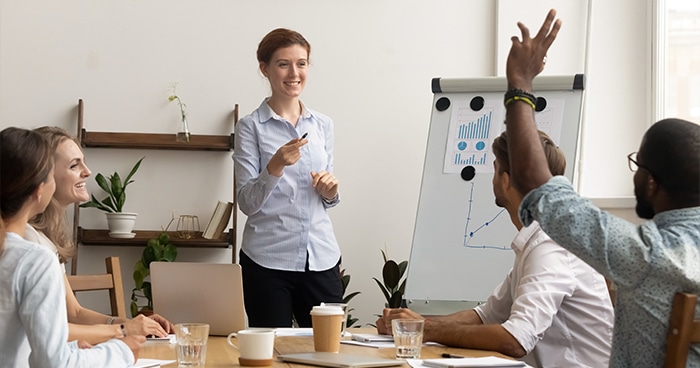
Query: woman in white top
[[50, 229], [32, 301]]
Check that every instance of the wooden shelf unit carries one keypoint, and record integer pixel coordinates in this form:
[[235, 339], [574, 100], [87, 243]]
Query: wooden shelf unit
[[101, 237], [155, 141]]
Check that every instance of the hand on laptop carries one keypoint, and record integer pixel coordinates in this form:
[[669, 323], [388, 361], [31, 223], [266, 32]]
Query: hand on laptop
[[167, 326], [144, 326]]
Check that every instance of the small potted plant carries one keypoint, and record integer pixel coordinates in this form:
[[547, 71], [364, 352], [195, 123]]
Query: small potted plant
[[120, 223], [157, 249], [394, 285]]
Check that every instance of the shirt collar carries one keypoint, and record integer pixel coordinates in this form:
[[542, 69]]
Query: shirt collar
[[524, 235], [266, 112]]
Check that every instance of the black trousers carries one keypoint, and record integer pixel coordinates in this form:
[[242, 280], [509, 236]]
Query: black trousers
[[274, 297]]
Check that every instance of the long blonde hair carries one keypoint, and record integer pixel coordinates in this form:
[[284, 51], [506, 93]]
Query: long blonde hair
[[53, 222]]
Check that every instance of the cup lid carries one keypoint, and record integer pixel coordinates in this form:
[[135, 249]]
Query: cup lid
[[327, 310]]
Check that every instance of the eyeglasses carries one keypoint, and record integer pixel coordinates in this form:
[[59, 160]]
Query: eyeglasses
[[633, 164]]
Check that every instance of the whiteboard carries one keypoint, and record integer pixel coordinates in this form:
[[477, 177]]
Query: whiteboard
[[461, 242]]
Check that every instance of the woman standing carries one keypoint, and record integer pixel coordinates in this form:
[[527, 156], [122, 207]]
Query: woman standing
[[283, 162], [50, 229], [33, 308]]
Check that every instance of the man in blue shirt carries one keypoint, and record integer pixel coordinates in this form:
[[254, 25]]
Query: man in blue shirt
[[649, 263]]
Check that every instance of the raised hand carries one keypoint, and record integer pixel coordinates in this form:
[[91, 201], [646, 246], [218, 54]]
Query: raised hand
[[527, 57]]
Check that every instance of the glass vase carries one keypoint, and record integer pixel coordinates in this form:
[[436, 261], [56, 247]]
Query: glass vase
[[183, 132]]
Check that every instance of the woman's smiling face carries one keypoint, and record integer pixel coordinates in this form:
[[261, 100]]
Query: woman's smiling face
[[70, 173]]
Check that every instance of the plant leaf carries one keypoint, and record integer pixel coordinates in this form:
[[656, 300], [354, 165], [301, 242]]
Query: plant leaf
[[149, 255], [133, 171], [384, 290], [390, 272], [395, 301], [349, 297], [170, 253], [102, 182], [134, 309], [402, 268]]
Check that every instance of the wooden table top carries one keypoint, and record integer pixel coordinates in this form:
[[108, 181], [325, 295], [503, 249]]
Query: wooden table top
[[221, 354]]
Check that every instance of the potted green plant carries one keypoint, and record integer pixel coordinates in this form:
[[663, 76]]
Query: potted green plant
[[345, 279], [120, 223], [157, 249], [394, 285]]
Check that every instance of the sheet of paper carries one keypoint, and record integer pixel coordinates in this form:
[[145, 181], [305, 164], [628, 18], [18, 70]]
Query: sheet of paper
[[148, 363], [302, 331], [490, 361]]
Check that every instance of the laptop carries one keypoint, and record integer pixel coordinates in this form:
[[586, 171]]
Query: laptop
[[200, 292], [339, 360]]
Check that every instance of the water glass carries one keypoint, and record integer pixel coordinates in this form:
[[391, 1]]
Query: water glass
[[408, 337], [191, 344]]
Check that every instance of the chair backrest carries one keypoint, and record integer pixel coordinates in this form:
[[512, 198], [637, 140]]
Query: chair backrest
[[110, 281], [683, 330]]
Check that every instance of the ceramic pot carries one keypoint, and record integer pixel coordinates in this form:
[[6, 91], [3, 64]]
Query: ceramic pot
[[121, 224]]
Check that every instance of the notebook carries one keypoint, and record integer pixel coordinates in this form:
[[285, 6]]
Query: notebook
[[200, 292], [339, 360]]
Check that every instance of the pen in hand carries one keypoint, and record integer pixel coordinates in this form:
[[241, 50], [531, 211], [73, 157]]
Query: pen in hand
[[304, 136]]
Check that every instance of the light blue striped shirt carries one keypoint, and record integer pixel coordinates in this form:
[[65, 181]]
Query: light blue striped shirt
[[286, 216], [649, 263]]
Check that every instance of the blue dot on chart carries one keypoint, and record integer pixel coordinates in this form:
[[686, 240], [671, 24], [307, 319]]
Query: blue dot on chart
[[462, 146], [480, 145]]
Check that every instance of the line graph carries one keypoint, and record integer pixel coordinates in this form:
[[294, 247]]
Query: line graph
[[469, 235]]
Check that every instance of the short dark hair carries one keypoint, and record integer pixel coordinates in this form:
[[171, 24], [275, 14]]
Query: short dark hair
[[280, 38], [555, 157], [670, 151]]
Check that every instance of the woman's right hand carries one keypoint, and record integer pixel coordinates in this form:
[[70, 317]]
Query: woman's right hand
[[134, 343], [144, 326], [286, 155]]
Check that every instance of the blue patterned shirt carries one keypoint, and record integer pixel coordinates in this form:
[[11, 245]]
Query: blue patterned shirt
[[286, 216], [649, 263]]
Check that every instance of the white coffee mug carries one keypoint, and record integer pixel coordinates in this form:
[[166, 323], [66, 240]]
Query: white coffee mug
[[256, 346]]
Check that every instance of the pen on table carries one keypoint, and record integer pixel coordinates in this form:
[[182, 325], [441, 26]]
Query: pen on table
[[304, 136], [448, 355]]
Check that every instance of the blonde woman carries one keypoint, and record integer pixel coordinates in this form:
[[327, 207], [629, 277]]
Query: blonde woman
[[50, 229]]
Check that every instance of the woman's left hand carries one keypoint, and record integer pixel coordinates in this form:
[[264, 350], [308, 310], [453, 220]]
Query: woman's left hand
[[326, 184]]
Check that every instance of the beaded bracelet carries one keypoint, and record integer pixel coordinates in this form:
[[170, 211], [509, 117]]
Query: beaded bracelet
[[514, 95]]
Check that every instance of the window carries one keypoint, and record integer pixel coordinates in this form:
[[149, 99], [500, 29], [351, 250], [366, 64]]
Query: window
[[677, 55]]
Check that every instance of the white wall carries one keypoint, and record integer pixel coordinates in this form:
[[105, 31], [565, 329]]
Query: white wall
[[372, 62]]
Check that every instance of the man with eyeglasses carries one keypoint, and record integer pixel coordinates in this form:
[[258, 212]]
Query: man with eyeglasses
[[650, 262]]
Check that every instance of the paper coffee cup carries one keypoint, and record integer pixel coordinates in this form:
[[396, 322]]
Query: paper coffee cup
[[327, 323]]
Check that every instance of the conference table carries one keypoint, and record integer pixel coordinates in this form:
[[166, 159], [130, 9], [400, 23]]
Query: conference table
[[221, 354]]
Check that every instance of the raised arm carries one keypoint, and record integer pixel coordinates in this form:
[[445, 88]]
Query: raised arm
[[526, 60]]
